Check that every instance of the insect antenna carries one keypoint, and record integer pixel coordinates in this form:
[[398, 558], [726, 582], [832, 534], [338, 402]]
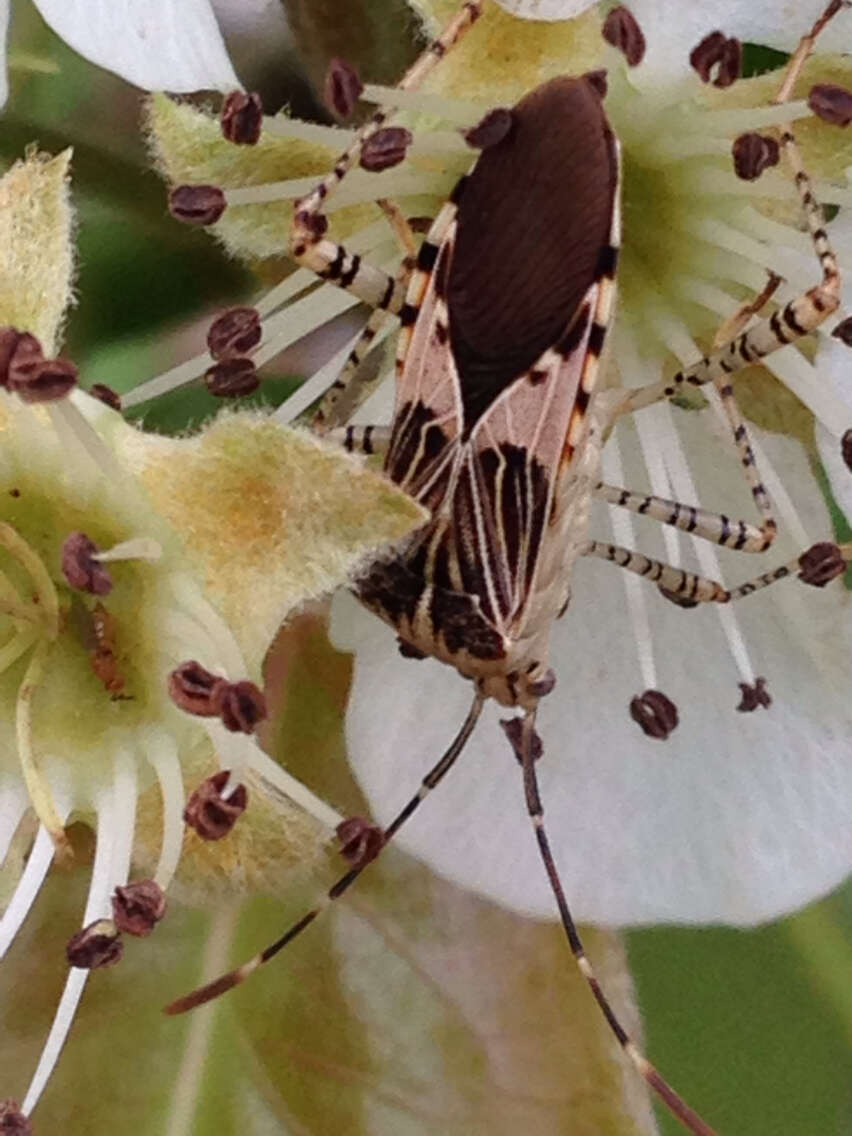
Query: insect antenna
[[233, 978], [528, 752]]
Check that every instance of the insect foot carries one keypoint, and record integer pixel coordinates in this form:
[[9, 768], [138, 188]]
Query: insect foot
[[655, 713], [754, 696], [513, 728]]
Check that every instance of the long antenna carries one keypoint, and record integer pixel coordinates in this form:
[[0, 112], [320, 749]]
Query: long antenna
[[529, 750], [235, 977]]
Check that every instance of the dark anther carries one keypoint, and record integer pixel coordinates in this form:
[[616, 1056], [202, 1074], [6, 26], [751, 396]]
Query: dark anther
[[80, 568], [846, 448], [106, 394], [197, 204], [234, 332], [360, 841], [242, 118], [12, 1120], [241, 707], [831, 103], [386, 148], [99, 944], [513, 728], [18, 345], [719, 52], [342, 89], [138, 908], [622, 31], [598, 80], [655, 713], [196, 690], [544, 685], [490, 129], [754, 696], [677, 599], [843, 331], [409, 652], [41, 380], [753, 153], [821, 563], [209, 813], [232, 378]]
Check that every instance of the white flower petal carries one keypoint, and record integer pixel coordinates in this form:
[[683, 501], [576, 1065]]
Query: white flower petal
[[545, 9], [672, 29], [737, 817], [159, 45]]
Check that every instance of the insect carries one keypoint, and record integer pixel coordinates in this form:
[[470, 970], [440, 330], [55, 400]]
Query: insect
[[499, 424]]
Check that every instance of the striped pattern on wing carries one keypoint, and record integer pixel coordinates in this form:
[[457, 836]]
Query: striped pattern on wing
[[490, 492]]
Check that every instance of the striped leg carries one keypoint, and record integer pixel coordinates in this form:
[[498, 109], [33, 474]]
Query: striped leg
[[433, 777], [816, 566], [715, 527], [529, 750], [324, 257], [352, 387], [362, 439]]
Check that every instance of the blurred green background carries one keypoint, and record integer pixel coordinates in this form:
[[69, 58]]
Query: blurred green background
[[754, 1028]]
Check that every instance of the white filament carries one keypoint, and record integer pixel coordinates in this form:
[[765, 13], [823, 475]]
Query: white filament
[[29, 885], [622, 527], [162, 755]]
